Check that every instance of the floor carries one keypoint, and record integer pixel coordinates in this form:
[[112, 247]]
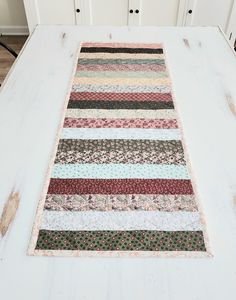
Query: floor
[[6, 59]]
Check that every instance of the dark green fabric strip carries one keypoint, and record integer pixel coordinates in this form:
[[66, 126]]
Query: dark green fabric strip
[[142, 240], [90, 104], [97, 61], [174, 146], [121, 50]]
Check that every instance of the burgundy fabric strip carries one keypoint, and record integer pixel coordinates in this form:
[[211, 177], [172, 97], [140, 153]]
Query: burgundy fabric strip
[[120, 186]]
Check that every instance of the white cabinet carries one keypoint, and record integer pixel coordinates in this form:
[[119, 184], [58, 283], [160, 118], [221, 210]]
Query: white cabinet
[[49, 12], [128, 12], [132, 12], [231, 30], [160, 12], [209, 13], [105, 12], [56, 11], [102, 12]]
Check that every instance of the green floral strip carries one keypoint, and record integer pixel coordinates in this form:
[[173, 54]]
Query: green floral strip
[[141, 240], [120, 145]]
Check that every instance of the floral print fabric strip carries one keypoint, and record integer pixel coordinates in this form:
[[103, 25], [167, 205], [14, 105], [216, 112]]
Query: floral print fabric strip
[[120, 164]]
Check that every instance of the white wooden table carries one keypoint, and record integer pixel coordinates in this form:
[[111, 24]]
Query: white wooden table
[[203, 71]]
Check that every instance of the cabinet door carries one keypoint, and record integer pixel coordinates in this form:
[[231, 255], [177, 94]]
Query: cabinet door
[[156, 12], [231, 30], [209, 12], [102, 12], [56, 11]]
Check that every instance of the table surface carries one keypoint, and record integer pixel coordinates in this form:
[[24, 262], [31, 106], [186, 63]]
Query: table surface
[[203, 70]]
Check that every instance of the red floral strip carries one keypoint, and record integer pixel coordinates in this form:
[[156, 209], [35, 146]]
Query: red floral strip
[[165, 97], [120, 186], [119, 123]]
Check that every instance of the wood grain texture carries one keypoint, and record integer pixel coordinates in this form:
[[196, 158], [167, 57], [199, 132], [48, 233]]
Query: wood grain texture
[[9, 212], [6, 59], [31, 103]]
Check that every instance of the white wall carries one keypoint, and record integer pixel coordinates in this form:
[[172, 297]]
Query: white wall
[[12, 17]]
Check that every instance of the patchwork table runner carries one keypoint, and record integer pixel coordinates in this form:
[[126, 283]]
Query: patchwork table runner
[[120, 183]]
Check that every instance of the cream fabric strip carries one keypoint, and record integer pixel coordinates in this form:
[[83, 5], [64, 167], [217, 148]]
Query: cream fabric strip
[[169, 114]]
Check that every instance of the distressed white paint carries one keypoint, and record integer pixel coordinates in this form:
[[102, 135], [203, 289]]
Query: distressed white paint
[[31, 102]]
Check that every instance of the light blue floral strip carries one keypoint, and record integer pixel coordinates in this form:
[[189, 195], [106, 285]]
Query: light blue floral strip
[[113, 171]]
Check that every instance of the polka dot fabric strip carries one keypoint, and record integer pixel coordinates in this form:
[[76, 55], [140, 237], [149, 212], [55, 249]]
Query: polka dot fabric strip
[[120, 164]]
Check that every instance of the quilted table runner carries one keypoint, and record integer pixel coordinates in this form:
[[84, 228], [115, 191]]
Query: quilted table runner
[[119, 183]]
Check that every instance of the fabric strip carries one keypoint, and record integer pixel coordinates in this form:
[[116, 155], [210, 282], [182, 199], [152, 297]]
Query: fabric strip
[[120, 202], [98, 61], [111, 145], [123, 81], [143, 240], [120, 157], [118, 114], [119, 123], [121, 133], [91, 88], [122, 220], [122, 96], [122, 67], [114, 171], [110, 74], [120, 50], [121, 55], [120, 186], [120, 104], [112, 151], [122, 45]]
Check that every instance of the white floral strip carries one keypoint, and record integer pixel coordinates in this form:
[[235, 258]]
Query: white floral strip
[[120, 202], [121, 56], [97, 88], [120, 133], [168, 114], [131, 220]]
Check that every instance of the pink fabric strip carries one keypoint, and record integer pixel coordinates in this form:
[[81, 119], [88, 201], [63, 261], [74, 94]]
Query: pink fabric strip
[[123, 45], [122, 67], [120, 123], [164, 97]]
